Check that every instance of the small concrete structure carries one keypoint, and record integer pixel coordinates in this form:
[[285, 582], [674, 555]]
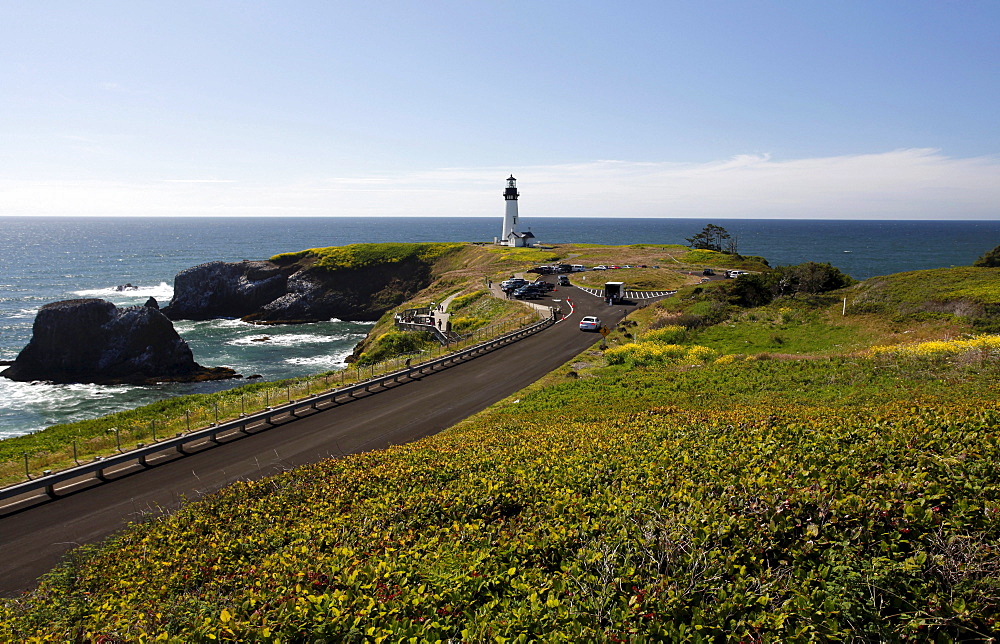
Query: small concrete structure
[[434, 318]]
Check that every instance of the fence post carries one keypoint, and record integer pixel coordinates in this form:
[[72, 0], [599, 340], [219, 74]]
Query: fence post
[[187, 415], [243, 409], [118, 441], [27, 474], [75, 459], [216, 413], [267, 399], [288, 393]]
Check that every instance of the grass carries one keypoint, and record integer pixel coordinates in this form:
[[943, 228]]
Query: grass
[[781, 331], [964, 291], [359, 256]]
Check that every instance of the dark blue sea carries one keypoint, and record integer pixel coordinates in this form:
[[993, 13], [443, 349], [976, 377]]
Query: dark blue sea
[[49, 259]]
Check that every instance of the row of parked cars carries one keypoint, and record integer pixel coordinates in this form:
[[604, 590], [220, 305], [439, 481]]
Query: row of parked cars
[[612, 267], [578, 268], [558, 268], [522, 289]]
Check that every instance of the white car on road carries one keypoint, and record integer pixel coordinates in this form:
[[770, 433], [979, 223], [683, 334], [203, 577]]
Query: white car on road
[[590, 323]]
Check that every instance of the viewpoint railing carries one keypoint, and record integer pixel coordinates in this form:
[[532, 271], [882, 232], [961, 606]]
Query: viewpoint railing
[[143, 454], [423, 319]]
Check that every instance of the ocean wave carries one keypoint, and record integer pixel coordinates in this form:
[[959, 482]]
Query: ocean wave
[[214, 324], [162, 291], [289, 339], [329, 361], [49, 396], [28, 407]]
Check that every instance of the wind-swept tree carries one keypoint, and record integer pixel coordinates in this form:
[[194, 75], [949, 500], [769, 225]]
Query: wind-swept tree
[[713, 238], [989, 259]]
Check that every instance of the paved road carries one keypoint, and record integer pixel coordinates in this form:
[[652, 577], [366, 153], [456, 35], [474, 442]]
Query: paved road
[[35, 538]]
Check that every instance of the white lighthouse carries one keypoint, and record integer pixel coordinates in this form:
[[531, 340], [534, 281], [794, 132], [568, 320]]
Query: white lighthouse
[[510, 236]]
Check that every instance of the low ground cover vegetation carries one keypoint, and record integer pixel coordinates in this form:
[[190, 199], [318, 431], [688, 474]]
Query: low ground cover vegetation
[[609, 508]]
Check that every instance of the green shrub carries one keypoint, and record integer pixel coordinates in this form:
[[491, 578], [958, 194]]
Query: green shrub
[[670, 334], [463, 301], [396, 343], [464, 324], [653, 353]]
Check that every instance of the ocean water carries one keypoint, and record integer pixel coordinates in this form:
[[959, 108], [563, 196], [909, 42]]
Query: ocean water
[[49, 259]]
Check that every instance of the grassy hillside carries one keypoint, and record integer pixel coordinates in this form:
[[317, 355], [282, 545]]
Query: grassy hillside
[[696, 495], [972, 294], [359, 256]]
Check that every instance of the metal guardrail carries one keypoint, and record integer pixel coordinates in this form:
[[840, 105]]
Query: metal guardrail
[[99, 468]]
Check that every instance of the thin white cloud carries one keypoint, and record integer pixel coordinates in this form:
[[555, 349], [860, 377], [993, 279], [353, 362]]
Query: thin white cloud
[[902, 184], [199, 180]]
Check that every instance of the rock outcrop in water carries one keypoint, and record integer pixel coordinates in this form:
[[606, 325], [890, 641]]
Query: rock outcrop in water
[[94, 341], [225, 290], [291, 292]]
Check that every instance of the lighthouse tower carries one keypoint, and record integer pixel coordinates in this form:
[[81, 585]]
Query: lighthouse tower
[[510, 215]]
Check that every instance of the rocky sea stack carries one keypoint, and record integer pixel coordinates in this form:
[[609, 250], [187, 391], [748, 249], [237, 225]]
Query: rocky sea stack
[[94, 341]]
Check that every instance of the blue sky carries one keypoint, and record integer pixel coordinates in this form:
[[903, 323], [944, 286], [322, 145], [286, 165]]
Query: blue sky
[[644, 109]]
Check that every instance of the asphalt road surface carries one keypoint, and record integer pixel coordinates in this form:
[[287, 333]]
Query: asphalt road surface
[[35, 536]]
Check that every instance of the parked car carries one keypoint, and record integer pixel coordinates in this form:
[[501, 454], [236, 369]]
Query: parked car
[[513, 283], [563, 280], [601, 267], [708, 271], [590, 323]]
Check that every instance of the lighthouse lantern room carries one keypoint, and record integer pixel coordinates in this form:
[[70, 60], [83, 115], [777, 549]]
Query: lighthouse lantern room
[[510, 236]]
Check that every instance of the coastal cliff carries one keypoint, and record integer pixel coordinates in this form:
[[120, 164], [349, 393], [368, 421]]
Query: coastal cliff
[[225, 289], [307, 286], [93, 341]]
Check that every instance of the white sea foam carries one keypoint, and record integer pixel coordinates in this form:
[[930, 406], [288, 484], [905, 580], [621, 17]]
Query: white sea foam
[[288, 339], [162, 291], [230, 323], [330, 361], [49, 396], [31, 406]]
